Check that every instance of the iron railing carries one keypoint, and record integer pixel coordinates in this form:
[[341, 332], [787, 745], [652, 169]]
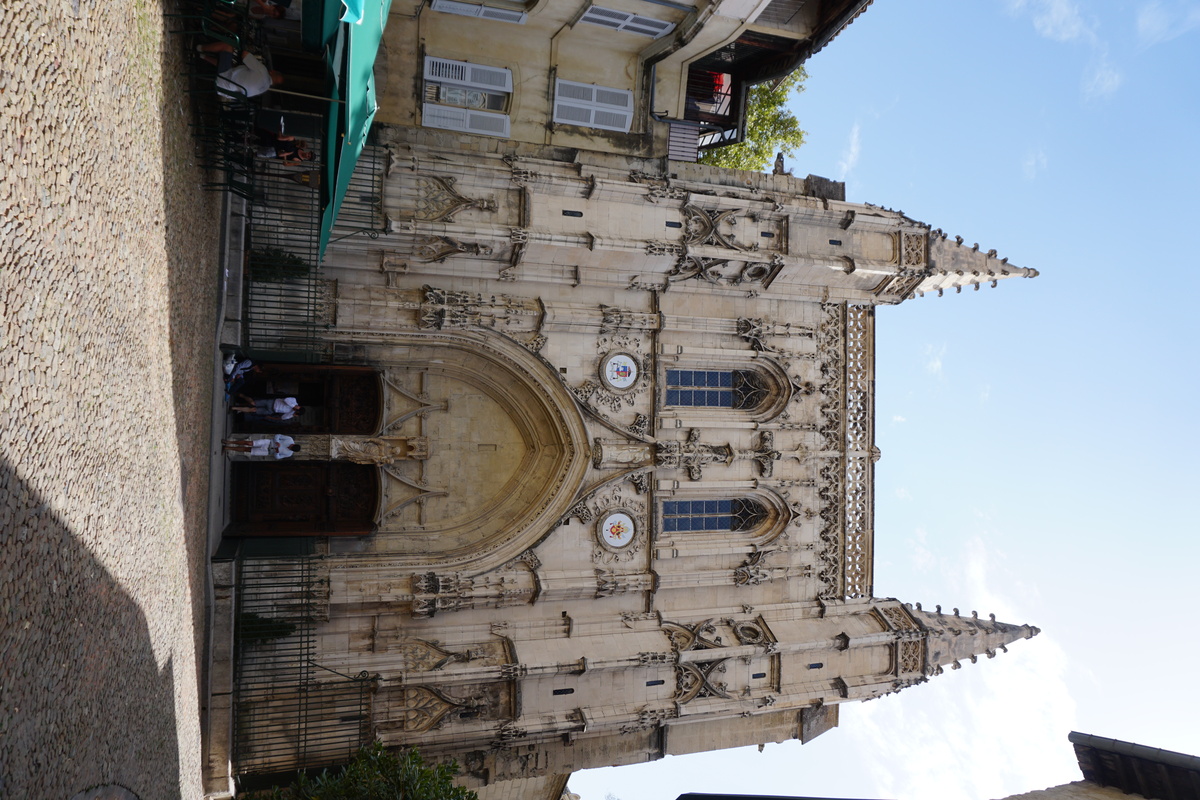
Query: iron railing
[[290, 713], [288, 303]]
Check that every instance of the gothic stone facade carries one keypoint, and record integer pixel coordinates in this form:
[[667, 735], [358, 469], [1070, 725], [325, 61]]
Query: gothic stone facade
[[610, 471]]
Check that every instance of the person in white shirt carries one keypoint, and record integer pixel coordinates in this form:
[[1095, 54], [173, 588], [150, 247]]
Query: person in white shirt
[[280, 409], [250, 78], [279, 446]]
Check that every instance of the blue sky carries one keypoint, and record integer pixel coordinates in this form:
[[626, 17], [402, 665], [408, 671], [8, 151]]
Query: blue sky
[[1038, 438]]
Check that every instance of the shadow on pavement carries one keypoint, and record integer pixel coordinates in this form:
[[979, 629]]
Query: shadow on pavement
[[82, 700]]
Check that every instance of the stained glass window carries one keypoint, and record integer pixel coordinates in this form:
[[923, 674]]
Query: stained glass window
[[711, 515], [711, 388]]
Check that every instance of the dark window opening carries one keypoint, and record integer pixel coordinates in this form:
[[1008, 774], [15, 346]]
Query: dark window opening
[[680, 516], [564, 691], [760, 675], [766, 234], [673, 224], [816, 665], [836, 242], [567, 213], [742, 389], [655, 683]]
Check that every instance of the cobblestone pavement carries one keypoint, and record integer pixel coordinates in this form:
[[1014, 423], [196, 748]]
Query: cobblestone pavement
[[107, 305]]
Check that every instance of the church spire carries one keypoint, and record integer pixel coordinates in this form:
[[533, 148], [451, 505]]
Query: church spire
[[954, 265], [952, 638]]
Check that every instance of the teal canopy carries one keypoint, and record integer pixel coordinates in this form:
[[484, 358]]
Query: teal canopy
[[352, 106]]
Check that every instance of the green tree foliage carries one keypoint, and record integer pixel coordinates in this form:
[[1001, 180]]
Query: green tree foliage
[[378, 774], [770, 127]]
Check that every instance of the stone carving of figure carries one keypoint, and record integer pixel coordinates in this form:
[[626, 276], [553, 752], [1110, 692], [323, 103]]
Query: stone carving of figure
[[378, 450], [692, 455], [620, 454]]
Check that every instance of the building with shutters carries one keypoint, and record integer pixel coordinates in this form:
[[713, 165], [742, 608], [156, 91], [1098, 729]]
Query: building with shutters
[[633, 76], [586, 470]]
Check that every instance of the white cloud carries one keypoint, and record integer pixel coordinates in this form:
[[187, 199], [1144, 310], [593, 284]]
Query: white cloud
[[903, 493], [933, 359], [1058, 20], [1062, 21], [1157, 24], [988, 730], [852, 152], [1034, 163], [898, 418], [1101, 78]]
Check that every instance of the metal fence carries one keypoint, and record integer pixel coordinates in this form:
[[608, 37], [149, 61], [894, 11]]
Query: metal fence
[[290, 713], [287, 301]]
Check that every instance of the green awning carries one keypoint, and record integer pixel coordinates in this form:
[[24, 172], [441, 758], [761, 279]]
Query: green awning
[[319, 23], [352, 101]]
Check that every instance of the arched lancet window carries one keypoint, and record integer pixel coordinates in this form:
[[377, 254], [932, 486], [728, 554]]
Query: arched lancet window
[[741, 389], [737, 514]]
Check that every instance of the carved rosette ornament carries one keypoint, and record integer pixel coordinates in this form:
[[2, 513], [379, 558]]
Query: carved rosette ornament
[[620, 523], [621, 367]]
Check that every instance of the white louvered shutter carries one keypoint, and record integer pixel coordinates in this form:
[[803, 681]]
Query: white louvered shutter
[[503, 15], [493, 79], [625, 21], [467, 120], [593, 106], [484, 12]]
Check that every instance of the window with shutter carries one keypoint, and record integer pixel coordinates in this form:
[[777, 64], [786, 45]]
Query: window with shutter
[[484, 12], [460, 96], [464, 119], [477, 75], [593, 106], [625, 21]]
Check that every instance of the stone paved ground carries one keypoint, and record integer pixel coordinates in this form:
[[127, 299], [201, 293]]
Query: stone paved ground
[[107, 308]]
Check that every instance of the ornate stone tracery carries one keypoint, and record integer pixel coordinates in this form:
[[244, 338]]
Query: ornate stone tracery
[[438, 200], [845, 345], [436, 249], [702, 226], [692, 455]]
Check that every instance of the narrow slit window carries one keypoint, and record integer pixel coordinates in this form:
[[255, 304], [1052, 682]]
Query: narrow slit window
[[836, 242], [760, 675], [655, 683], [766, 234], [564, 691], [815, 665], [568, 213], [674, 224]]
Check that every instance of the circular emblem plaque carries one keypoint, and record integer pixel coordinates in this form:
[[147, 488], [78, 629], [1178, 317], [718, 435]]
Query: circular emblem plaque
[[619, 371], [617, 529]]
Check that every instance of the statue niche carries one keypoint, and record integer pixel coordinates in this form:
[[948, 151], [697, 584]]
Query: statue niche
[[379, 450]]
